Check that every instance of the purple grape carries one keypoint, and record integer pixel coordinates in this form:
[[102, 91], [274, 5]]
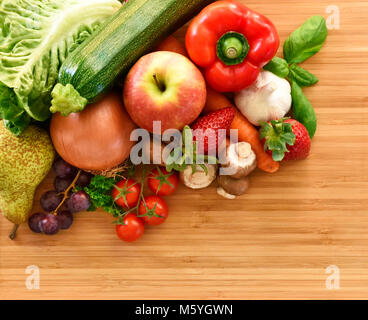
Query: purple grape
[[84, 179], [61, 184], [79, 201], [64, 169], [65, 219], [49, 224], [34, 222], [50, 200], [69, 205]]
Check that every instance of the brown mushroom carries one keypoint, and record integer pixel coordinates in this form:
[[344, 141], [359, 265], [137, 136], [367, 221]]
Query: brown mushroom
[[198, 179], [230, 187], [223, 193]]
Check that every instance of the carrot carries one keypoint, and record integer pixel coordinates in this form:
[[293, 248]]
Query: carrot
[[172, 44], [246, 131]]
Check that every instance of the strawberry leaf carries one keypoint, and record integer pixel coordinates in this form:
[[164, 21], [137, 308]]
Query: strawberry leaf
[[277, 135]]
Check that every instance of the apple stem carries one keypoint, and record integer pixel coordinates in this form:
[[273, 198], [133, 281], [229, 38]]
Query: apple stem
[[159, 84]]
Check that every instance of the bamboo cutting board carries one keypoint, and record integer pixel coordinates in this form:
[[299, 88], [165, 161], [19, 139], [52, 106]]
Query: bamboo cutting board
[[273, 243]]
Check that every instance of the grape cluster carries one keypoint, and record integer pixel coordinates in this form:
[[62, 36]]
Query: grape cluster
[[54, 220]]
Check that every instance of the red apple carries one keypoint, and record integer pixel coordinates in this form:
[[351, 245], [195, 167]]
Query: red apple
[[164, 86]]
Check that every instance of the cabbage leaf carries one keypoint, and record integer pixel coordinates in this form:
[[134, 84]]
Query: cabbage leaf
[[36, 36]]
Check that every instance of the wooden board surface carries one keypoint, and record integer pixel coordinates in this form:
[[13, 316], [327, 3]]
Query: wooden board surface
[[275, 242]]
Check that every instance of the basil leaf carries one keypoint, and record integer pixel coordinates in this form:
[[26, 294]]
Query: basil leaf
[[301, 76], [303, 110], [305, 41], [278, 66]]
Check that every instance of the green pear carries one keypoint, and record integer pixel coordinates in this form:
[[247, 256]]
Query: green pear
[[24, 162]]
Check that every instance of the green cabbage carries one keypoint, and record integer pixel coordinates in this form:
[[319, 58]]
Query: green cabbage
[[35, 38]]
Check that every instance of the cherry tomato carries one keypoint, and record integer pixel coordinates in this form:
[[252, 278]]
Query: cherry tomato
[[126, 193], [153, 210], [162, 182], [132, 229]]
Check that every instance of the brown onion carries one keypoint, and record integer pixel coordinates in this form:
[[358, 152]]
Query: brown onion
[[97, 138]]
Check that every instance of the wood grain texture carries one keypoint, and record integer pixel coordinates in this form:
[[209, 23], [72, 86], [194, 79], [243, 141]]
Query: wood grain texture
[[275, 242]]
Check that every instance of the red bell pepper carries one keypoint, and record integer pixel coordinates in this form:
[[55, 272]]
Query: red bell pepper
[[231, 43]]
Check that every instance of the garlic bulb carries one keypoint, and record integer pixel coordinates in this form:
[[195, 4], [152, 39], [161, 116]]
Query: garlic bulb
[[268, 98]]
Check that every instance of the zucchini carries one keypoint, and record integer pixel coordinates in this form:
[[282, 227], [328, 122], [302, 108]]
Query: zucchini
[[131, 32]]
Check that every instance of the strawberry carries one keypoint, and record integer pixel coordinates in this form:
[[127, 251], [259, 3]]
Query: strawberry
[[286, 139], [207, 128]]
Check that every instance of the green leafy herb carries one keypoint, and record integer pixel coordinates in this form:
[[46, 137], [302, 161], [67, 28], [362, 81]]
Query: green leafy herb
[[277, 134], [305, 41], [186, 155], [100, 192], [278, 66], [303, 110], [301, 76]]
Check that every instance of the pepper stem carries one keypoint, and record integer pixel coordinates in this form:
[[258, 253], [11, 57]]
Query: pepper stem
[[232, 48], [231, 53]]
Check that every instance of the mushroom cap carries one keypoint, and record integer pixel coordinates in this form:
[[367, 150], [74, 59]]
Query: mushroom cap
[[199, 179], [241, 160], [233, 186]]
